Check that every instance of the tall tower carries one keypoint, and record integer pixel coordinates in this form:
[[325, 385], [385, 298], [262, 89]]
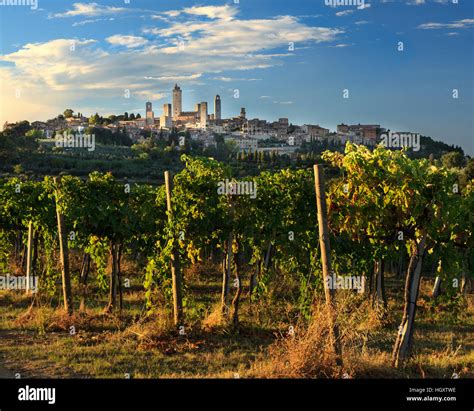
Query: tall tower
[[217, 108], [203, 114], [243, 114], [149, 116], [177, 102], [167, 110]]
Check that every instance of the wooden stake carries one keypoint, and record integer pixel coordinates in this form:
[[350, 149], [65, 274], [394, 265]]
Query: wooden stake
[[29, 257], [226, 271], [175, 266], [328, 276], [324, 233], [64, 255]]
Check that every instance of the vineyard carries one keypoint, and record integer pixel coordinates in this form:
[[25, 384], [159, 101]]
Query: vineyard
[[361, 268]]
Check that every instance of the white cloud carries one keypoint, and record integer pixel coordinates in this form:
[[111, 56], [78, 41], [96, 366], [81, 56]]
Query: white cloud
[[90, 21], [162, 18], [53, 62], [229, 79], [309, 16], [150, 95], [226, 12], [172, 13], [459, 24], [351, 11], [127, 41], [175, 78], [344, 13], [90, 10], [218, 37], [67, 70], [423, 2]]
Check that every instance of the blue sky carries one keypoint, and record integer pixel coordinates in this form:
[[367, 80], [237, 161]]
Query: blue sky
[[88, 55]]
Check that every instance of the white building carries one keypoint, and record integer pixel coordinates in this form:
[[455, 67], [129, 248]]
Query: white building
[[215, 128], [167, 110], [248, 144], [166, 122]]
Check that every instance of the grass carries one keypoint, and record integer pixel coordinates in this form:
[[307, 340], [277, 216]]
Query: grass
[[40, 342]]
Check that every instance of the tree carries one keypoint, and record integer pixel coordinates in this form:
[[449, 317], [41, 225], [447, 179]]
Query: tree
[[18, 169], [392, 201], [34, 134], [454, 159], [94, 119], [18, 129], [68, 113]]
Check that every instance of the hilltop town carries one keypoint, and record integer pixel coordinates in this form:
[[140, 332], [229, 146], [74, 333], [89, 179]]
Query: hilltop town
[[132, 146], [202, 123]]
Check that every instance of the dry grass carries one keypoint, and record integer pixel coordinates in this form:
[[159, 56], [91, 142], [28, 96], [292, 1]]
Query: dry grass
[[216, 318], [151, 327], [38, 342], [366, 338], [307, 351]]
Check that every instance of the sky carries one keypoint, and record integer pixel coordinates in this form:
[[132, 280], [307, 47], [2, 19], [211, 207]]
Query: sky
[[400, 63]]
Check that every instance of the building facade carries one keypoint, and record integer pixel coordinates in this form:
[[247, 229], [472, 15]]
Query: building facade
[[365, 131], [203, 115], [149, 116], [248, 144], [315, 132], [166, 122], [167, 112]]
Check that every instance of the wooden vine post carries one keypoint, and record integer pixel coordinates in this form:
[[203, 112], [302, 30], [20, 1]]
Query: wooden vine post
[[329, 291], [175, 267], [29, 257], [226, 272], [64, 254]]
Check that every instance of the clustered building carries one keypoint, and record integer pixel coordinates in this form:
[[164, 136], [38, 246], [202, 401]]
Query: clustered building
[[197, 120], [248, 134]]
